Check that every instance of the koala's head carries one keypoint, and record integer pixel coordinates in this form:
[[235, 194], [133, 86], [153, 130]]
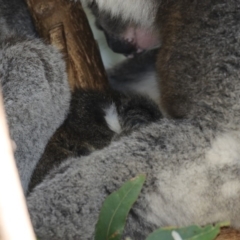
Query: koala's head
[[129, 25]]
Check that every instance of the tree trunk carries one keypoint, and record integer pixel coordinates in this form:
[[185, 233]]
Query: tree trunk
[[64, 24]]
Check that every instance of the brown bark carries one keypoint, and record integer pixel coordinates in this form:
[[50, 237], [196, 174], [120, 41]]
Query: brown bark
[[64, 24], [228, 234]]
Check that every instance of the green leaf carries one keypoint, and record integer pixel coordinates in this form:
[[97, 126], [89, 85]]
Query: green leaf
[[208, 232], [115, 209]]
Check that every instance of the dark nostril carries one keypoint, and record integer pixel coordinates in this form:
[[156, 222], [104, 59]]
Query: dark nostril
[[120, 45]]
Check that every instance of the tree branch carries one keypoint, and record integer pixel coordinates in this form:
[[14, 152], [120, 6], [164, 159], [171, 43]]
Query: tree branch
[[64, 24]]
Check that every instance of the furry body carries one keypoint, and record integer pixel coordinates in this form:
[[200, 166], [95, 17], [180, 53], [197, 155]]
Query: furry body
[[94, 119], [192, 164], [198, 61], [34, 85]]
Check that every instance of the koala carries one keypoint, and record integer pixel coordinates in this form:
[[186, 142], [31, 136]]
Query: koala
[[171, 24], [91, 125], [17, 31], [190, 157]]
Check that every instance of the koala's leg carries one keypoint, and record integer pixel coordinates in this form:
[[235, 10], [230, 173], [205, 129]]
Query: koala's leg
[[185, 184], [36, 97], [137, 75]]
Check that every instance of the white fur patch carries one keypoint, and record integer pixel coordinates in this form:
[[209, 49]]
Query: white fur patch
[[142, 12], [225, 149], [185, 187], [111, 118], [231, 189]]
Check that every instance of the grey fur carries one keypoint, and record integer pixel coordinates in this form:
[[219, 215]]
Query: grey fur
[[192, 164], [36, 97], [182, 186], [15, 19], [88, 126], [34, 84], [137, 75]]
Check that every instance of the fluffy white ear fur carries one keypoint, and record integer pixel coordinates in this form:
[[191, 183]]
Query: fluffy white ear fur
[[142, 12]]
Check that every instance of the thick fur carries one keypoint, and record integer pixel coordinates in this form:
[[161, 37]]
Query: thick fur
[[144, 12], [199, 75], [186, 186], [34, 84], [137, 75], [123, 28], [94, 119], [186, 35], [36, 97], [15, 19], [192, 164], [83, 131]]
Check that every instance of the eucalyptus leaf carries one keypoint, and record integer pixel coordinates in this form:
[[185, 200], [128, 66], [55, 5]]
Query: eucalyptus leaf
[[115, 209], [208, 232]]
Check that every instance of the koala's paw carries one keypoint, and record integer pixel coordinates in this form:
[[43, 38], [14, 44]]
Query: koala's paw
[[137, 111]]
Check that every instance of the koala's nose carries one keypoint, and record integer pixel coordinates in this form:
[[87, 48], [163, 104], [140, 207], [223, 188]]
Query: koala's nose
[[120, 46]]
